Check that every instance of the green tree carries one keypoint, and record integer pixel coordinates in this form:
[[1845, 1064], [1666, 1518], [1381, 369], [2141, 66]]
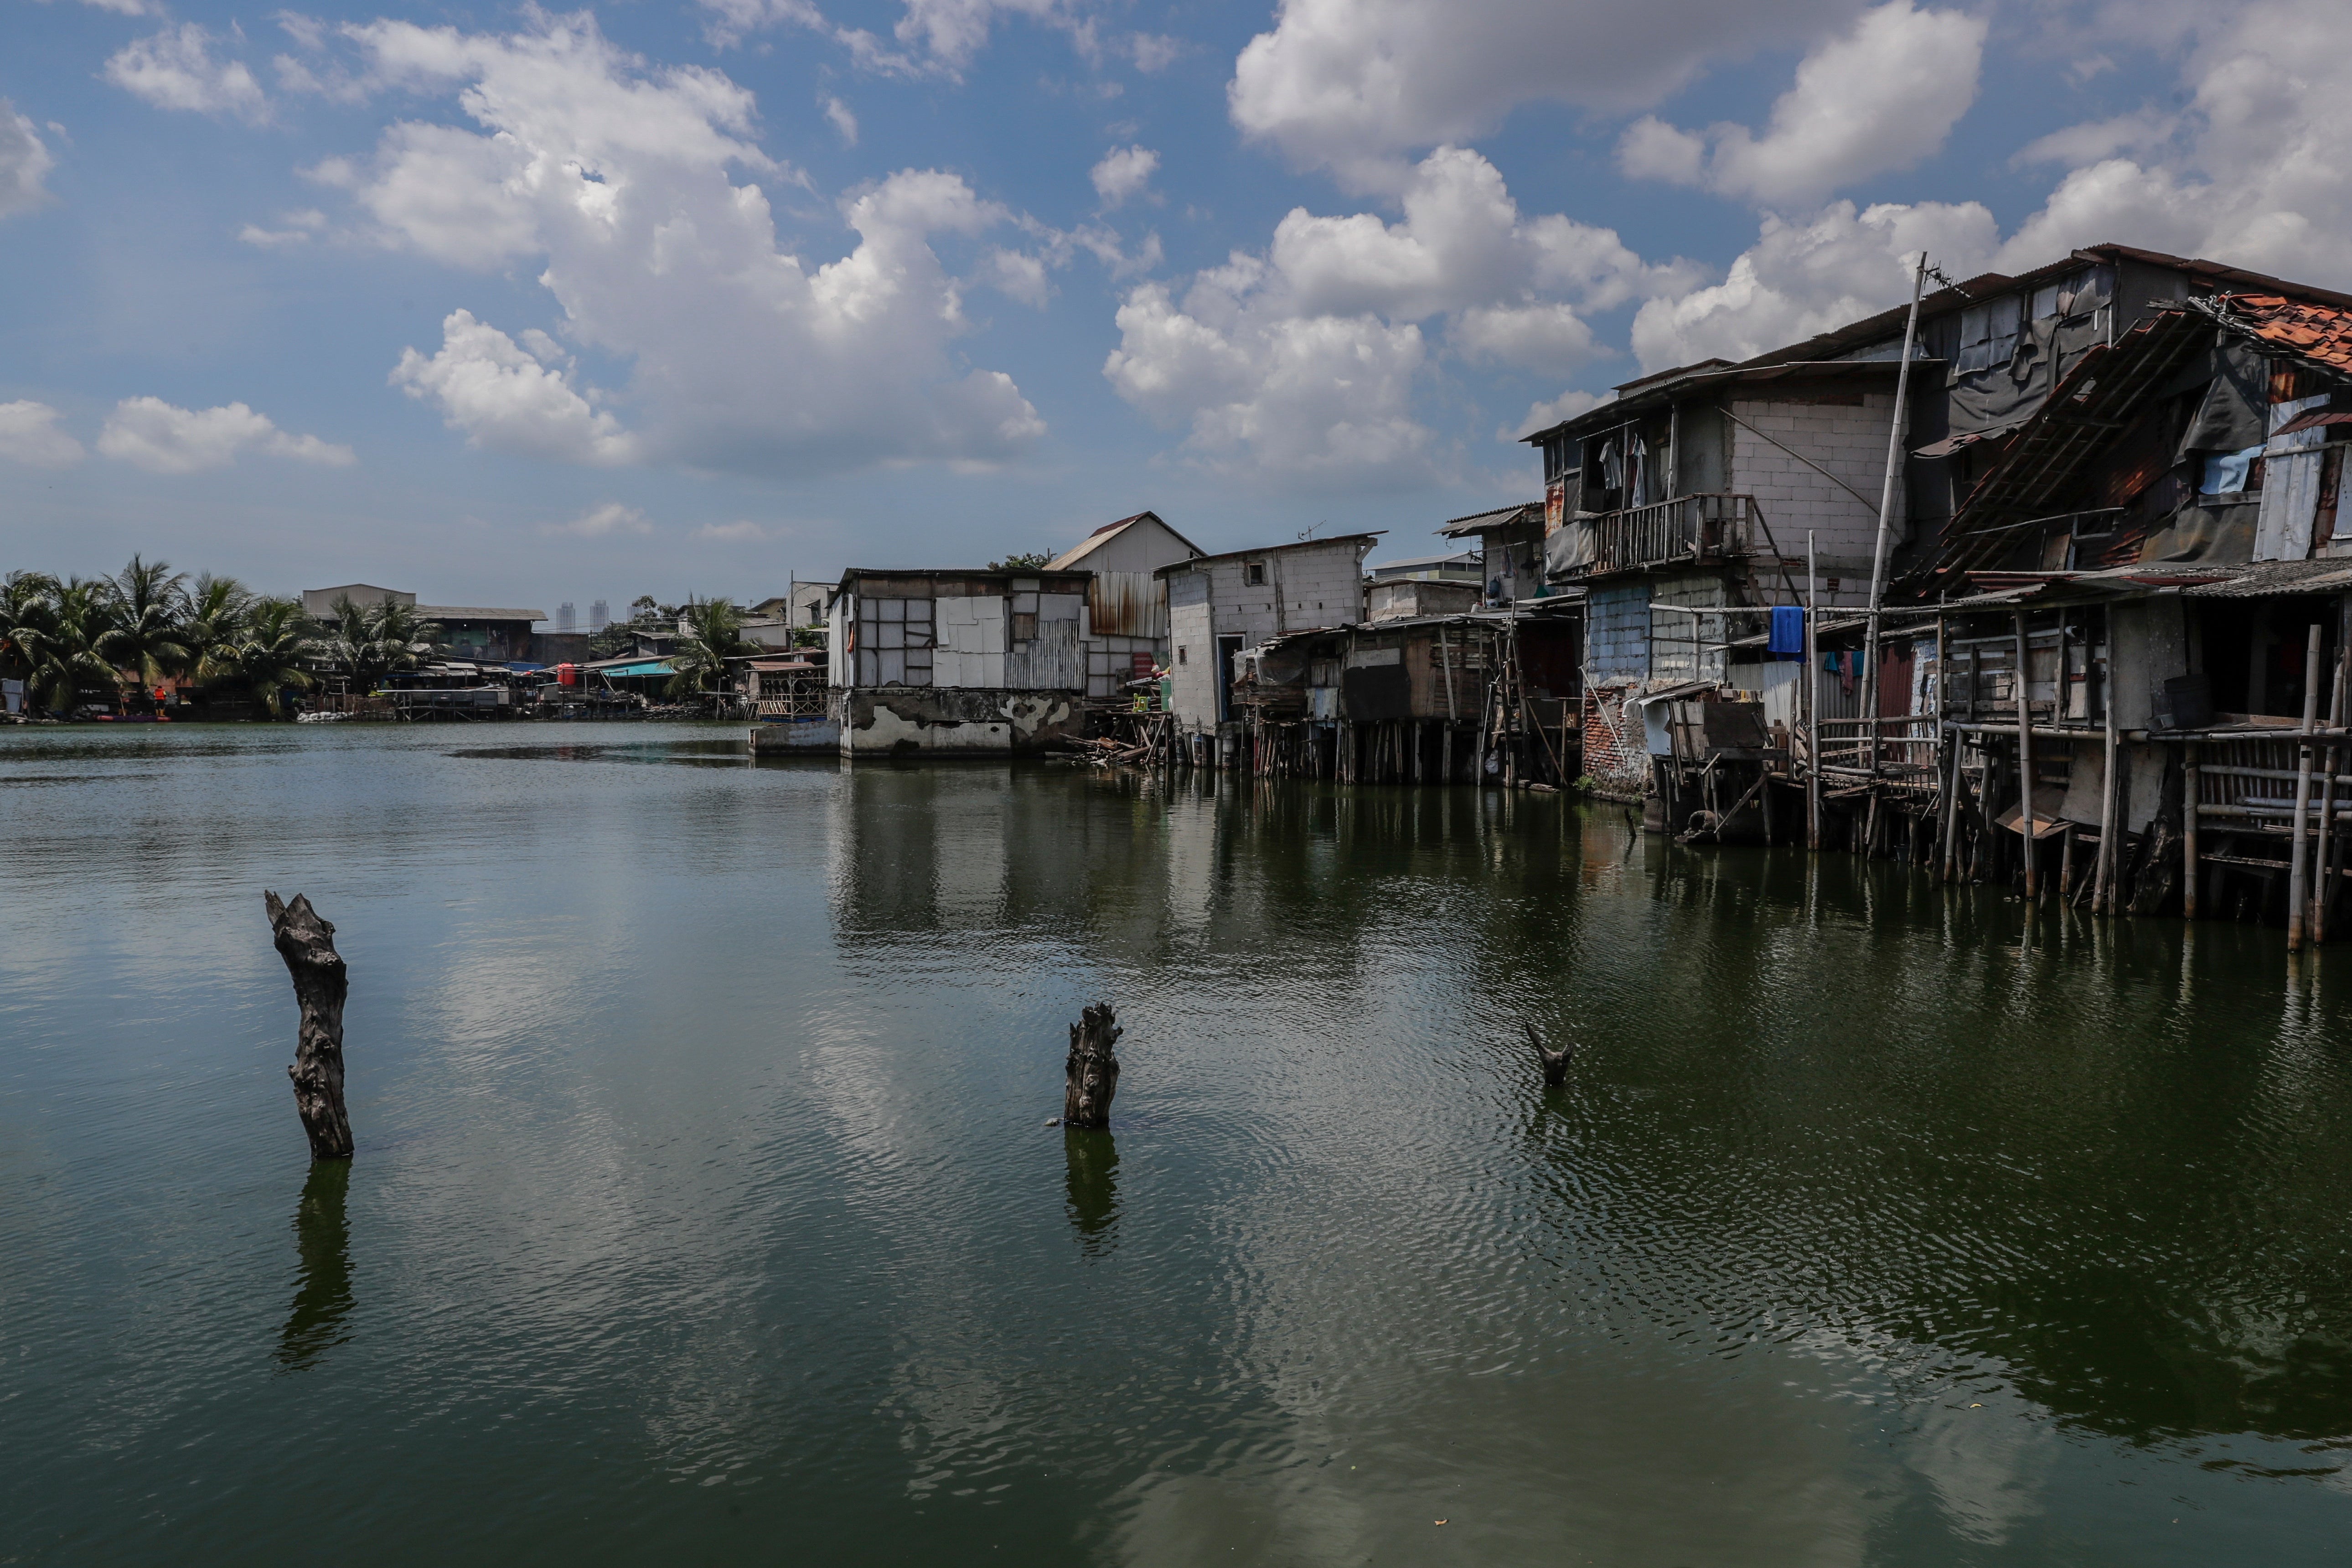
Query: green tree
[[216, 619], [269, 652], [714, 634], [150, 607], [1028, 561], [59, 641]]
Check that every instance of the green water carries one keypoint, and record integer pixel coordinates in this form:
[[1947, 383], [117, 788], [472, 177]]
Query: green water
[[703, 1209]]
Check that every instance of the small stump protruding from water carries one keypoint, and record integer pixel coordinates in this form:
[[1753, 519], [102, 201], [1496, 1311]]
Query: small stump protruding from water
[[1555, 1062], [1090, 1077], [306, 943]]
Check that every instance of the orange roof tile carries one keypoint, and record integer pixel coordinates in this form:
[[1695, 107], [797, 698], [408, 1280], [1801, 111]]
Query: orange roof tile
[[2322, 333]]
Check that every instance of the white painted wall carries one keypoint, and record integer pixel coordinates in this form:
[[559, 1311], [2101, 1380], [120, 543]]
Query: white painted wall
[[970, 650]]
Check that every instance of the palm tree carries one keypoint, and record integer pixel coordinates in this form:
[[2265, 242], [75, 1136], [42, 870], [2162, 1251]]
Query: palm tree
[[27, 614], [397, 636], [268, 655], [711, 634], [216, 612], [58, 635], [150, 603]]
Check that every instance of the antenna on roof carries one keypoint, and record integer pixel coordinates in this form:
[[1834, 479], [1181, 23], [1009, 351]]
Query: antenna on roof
[[1938, 274], [1309, 531]]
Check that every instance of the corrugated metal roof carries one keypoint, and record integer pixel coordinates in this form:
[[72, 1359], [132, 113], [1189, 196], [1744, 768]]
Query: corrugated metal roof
[[1486, 521]]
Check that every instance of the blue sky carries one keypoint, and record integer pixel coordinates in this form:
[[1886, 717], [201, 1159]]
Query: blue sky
[[513, 305]]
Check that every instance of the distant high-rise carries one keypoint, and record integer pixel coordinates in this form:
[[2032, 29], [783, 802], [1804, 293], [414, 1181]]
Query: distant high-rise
[[566, 618], [599, 616]]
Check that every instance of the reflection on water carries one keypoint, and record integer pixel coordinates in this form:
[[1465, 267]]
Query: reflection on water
[[1092, 1186], [323, 1240], [705, 1203]]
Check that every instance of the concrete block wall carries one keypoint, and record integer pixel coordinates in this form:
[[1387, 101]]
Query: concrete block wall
[[1193, 674], [1848, 439], [1677, 641], [1617, 631]]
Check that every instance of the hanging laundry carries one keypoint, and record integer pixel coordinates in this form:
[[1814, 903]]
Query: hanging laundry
[[1637, 471], [1788, 631]]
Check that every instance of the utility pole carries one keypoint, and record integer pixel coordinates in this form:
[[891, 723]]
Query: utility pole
[[1887, 510]]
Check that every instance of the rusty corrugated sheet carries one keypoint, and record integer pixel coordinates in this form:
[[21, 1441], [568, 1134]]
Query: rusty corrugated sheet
[[1128, 604]]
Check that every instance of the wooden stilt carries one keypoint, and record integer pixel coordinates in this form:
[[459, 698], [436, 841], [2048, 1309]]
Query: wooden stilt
[[2024, 693], [2189, 790], [2298, 876]]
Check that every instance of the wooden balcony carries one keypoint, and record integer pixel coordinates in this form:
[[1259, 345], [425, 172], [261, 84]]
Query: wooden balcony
[[1681, 531]]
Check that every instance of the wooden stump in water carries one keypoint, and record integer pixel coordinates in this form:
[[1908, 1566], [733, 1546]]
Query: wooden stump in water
[[306, 943], [1090, 1076], [1555, 1062]]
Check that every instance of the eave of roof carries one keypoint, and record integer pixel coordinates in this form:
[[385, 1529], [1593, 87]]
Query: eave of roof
[[1267, 550], [476, 613]]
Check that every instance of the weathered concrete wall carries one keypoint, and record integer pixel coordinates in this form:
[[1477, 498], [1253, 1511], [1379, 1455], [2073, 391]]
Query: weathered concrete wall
[[1846, 438], [1190, 630], [2148, 644], [908, 720]]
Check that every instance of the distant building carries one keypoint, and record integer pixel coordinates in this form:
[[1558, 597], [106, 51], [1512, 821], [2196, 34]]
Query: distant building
[[599, 616], [566, 618], [1220, 605], [1463, 566], [1511, 547], [956, 661], [484, 633], [1126, 630]]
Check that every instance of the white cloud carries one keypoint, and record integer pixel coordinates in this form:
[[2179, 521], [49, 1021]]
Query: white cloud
[[127, 7], [1804, 277], [601, 523], [175, 70], [1882, 96], [505, 399], [1123, 174], [1544, 416], [299, 229], [939, 37], [730, 532], [29, 434], [1351, 83], [152, 433], [1154, 52], [2249, 172], [1305, 362], [843, 122], [616, 184], [25, 162]]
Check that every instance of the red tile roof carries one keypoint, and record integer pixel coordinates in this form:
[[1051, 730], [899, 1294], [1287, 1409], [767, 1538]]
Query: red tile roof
[[2321, 333]]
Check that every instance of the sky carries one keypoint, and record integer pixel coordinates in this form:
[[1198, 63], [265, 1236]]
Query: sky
[[508, 305]]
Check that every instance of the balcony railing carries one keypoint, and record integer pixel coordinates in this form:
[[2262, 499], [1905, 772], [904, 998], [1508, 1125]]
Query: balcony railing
[[1712, 526]]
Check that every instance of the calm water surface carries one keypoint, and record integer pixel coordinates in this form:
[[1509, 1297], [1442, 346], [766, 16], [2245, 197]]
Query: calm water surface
[[704, 1210]]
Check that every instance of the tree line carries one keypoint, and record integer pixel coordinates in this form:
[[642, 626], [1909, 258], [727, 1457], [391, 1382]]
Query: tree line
[[67, 638]]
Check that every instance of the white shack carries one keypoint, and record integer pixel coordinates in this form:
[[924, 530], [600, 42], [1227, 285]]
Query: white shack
[[1126, 630], [968, 662], [1220, 605]]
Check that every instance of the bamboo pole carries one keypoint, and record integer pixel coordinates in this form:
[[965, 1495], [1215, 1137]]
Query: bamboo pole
[[2190, 787], [1813, 701], [2025, 757], [2102, 890], [1951, 804], [2323, 853], [2298, 876]]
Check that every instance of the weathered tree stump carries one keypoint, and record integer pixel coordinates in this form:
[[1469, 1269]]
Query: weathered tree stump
[[306, 943], [1090, 1076], [1555, 1062]]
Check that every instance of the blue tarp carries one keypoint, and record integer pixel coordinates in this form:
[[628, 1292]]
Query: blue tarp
[[643, 667], [1788, 630]]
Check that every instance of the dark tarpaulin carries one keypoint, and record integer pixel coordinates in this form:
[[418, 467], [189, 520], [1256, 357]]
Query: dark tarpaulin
[[2211, 530], [1376, 692], [2233, 415]]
